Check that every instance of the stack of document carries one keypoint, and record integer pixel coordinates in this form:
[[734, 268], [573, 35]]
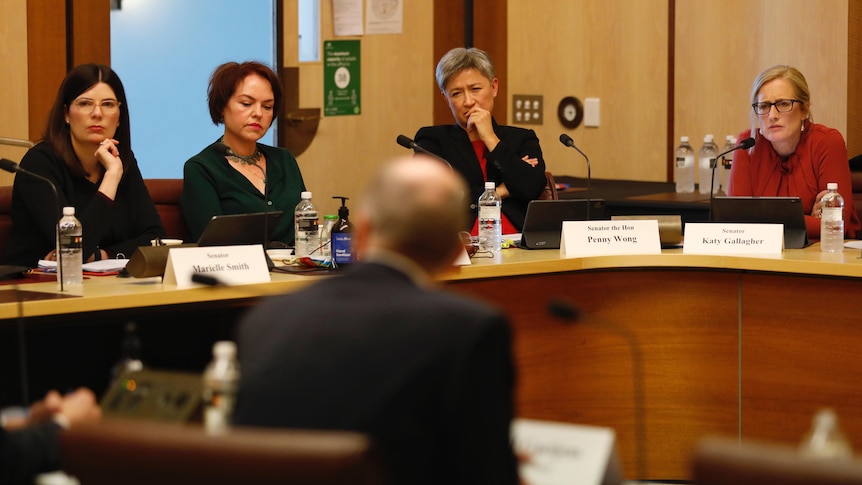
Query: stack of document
[[105, 266]]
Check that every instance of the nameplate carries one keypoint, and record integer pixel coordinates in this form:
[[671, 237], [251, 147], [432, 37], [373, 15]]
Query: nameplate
[[598, 238], [562, 453], [463, 258], [231, 265], [724, 238]]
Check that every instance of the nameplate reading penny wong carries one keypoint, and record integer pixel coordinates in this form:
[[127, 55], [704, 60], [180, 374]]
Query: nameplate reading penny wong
[[231, 265], [600, 238], [733, 238]]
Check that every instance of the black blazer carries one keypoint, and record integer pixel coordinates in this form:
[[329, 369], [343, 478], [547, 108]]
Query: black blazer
[[119, 226], [505, 165], [428, 374], [29, 451]]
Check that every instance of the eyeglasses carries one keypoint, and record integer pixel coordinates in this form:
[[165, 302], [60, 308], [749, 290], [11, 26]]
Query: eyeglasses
[[87, 105], [782, 106]]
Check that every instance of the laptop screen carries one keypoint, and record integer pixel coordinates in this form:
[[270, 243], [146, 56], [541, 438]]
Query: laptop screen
[[543, 223], [240, 229], [765, 210]]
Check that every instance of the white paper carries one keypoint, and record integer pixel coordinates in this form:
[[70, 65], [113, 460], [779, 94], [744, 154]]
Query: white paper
[[230, 265], [103, 266], [463, 259], [730, 238], [384, 17], [565, 454], [347, 17], [601, 238]]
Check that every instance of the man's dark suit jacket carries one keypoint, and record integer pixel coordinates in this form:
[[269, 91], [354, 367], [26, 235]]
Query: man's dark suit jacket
[[29, 451], [429, 375], [504, 165]]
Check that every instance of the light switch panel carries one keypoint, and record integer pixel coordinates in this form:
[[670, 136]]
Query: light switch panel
[[527, 109], [591, 112]]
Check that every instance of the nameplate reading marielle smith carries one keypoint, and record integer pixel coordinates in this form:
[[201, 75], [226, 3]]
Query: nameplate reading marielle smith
[[231, 265], [598, 238], [724, 238]]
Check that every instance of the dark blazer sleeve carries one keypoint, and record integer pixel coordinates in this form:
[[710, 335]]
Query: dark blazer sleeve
[[34, 207], [200, 198], [28, 452], [119, 225], [523, 180], [506, 164], [483, 403], [125, 224]]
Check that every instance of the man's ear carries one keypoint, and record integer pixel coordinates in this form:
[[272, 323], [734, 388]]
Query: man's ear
[[360, 235]]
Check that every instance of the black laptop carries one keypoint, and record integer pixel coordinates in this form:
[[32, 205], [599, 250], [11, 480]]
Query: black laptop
[[240, 229], [765, 210], [543, 224]]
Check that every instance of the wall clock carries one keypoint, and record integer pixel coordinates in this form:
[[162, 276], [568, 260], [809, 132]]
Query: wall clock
[[570, 112]]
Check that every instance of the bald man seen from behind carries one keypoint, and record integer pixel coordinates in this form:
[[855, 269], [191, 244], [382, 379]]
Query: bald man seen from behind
[[384, 349]]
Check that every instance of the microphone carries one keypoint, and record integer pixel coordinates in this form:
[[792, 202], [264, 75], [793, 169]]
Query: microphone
[[12, 167], [226, 151], [16, 142], [408, 143], [567, 140], [743, 145], [564, 310], [205, 279]]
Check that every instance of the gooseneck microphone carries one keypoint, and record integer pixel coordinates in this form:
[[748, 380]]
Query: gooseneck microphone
[[565, 310], [743, 145], [226, 151], [206, 279], [409, 143], [567, 140], [12, 167]]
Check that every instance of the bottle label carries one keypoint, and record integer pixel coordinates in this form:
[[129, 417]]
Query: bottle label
[[341, 248], [71, 241], [831, 214], [307, 224], [489, 212]]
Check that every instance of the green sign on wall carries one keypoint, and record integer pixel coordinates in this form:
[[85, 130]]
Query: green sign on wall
[[341, 87]]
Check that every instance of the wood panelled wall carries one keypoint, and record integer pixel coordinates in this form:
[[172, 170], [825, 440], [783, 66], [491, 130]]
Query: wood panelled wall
[[616, 50], [58, 35], [724, 45], [396, 99], [854, 79], [14, 119], [613, 50], [482, 33]]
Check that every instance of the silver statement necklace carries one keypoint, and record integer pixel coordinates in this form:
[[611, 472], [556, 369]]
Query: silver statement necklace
[[242, 160]]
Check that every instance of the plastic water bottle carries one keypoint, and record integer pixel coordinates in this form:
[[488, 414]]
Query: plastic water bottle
[[684, 175], [221, 380], [832, 220], [342, 241], [825, 440], [70, 242], [490, 225], [707, 153], [329, 221], [726, 160], [306, 230]]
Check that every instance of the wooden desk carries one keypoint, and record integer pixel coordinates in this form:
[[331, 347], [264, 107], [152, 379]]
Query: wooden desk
[[728, 344]]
